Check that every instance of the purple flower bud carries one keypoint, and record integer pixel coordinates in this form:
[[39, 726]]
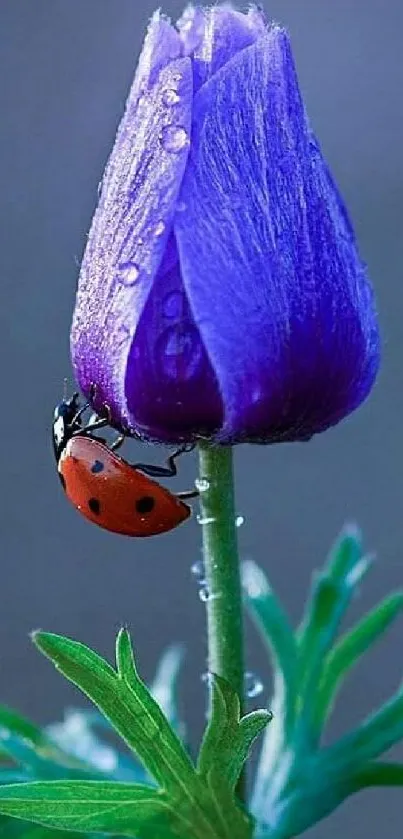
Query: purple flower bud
[[221, 292]]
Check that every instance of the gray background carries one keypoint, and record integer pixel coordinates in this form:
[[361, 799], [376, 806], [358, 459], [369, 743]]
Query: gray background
[[65, 71]]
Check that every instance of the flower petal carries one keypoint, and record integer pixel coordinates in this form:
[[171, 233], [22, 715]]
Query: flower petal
[[132, 222], [161, 46], [268, 258], [215, 35], [171, 388]]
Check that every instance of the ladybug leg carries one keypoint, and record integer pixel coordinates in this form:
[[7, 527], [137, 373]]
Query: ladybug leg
[[80, 412], [117, 443], [188, 493], [168, 471], [101, 422]]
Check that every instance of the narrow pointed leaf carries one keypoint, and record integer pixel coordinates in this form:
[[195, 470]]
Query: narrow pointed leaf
[[378, 733], [127, 704], [274, 626], [343, 657], [228, 740], [90, 806], [378, 774], [331, 595]]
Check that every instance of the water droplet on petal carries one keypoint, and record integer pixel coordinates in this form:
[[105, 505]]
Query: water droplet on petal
[[202, 484], [174, 138], [159, 228], [181, 206], [253, 685], [197, 569], [170, 97], [128, 274], [173, 304], [201, 519], [204, 593], [180, 351], [239, 521]]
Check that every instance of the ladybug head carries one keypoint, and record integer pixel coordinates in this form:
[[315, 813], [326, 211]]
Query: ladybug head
[[65, 423]]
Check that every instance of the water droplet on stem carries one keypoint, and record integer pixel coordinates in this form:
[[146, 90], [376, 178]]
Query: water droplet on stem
[[204, 593], [202, 484], [201, 519], [253, 685]]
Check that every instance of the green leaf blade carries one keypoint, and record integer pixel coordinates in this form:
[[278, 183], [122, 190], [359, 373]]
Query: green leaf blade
[[376, 734], [89, 806], [349, 650], [332, 591], [228, 739], [270, 619], [126, 703]]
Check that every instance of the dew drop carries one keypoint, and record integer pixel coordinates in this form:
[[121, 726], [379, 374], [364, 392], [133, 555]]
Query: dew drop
[[253, 685], [128, 274], [239, 521], [159, 229], [204, 519], [173, 304], [180, 352], [204, 593], [170, 97], [174, 138], [181, 207], [197, 570], [202, 484]]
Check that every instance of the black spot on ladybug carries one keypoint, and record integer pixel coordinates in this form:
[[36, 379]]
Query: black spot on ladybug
[[62, 480], [97, 466], [94, 506], [145, 504]]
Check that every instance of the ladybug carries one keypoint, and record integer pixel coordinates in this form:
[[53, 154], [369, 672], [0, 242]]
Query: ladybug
[[107, 490]]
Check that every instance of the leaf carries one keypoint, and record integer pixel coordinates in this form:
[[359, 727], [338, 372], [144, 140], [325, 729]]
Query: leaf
[[164, 686], [271, 620], [332, 591], [89, 806], [228, 739], [378, 774], [350, 648], [29, 746], [126, 702], [45, 833], [376, 734]]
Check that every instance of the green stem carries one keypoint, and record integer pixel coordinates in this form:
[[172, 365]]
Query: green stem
[[221, 566]]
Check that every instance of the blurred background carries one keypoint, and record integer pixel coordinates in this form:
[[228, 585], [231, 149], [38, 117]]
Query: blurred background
[[65, 70]]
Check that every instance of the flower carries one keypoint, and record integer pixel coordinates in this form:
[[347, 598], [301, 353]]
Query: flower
[[221, 293]]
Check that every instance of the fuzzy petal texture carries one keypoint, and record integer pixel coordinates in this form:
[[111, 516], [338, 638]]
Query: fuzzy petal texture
[[268, 258], [131, 225]]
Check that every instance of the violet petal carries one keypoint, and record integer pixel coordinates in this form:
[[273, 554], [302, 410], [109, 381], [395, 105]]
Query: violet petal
[[132, 222], [268, 257]]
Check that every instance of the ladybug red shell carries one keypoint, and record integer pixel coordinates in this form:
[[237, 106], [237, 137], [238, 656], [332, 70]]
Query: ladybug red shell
[[106, 489]]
